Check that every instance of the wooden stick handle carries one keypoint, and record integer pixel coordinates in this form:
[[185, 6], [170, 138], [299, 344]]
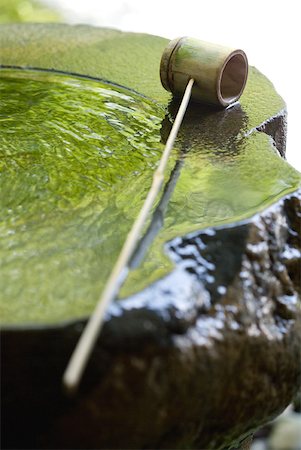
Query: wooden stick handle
[[85, 345]]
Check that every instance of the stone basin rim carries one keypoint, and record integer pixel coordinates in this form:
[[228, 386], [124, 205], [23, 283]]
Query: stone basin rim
[[257, 128], [79, 75]]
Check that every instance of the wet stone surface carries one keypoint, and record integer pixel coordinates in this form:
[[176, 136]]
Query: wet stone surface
[[207, 349]]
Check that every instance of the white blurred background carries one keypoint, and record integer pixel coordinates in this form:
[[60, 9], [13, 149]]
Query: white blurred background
[[268, 30]]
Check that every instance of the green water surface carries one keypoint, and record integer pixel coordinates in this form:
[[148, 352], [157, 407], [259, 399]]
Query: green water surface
[[76, 161]]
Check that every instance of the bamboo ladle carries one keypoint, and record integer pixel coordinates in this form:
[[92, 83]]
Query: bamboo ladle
[[207, 73]]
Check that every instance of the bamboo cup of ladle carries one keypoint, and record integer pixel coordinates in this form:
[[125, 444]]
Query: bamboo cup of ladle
[[219, 73]]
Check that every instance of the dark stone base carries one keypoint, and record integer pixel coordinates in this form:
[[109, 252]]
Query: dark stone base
[[197, 365]]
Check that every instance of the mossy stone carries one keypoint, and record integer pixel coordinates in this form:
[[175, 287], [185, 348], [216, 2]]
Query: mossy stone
[[80, 141], [207, 349]]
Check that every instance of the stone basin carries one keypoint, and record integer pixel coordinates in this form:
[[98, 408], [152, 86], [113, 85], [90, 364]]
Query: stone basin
[[203, 346]]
